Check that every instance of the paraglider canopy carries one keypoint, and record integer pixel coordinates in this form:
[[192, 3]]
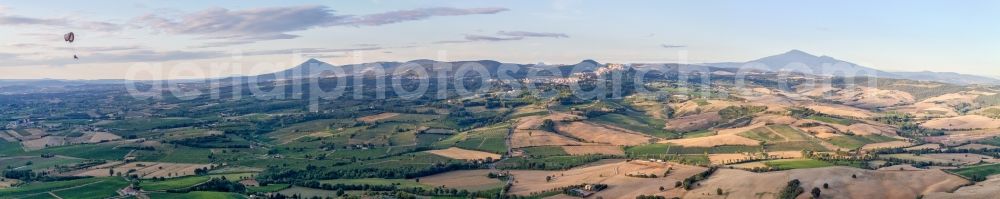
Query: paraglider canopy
[[69, 37]]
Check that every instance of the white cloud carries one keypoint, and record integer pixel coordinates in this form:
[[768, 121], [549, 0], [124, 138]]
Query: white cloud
[[233, 27]]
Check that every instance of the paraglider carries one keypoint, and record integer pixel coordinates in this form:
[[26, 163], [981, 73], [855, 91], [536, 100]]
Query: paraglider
[[70, 37]]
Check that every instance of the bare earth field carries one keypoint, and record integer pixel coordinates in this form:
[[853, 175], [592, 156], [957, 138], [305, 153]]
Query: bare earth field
[[955, 138], [953, 158], [594, 149], [939, 106], [95, 137], [472, 180], [529, 138], [720, 159], [900, 167], [775, 119], [463, 154], [611, 172], [715, 140], [967, 158], [923, 146], [980, 190], [840, 110], [865, 97], [377, 117], [45, 142], [693, 122], [603, 134], [691, 107], [740, 129], [868, 184], [7, 183], [749, 165], [962, 122], [870, 129], [533, 122]]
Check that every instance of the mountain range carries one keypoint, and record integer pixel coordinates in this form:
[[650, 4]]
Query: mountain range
[[799, 61], [791, 61]]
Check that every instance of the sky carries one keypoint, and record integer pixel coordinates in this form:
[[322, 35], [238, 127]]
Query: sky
[[146, 39]]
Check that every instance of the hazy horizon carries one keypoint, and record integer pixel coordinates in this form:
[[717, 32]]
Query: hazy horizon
[[117, 36]]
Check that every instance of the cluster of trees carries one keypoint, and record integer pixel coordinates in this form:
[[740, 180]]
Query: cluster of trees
[[907, 125], [28, 175], [82, 165], [278, 121], [500, 176], [736, 112], [217, 184], [643, 175], [548, 163], [275, 174], [791, 190], [471, 120], [212, 141], [202, 171], [689, 182], [436, 191], [573, 190], [341, 194], [548, 125]]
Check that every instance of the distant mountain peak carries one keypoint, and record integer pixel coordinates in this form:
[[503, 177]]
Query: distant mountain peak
[[423, 60], [797, 52], [794, 55], [829, 66], [312, 61], [589, 61]]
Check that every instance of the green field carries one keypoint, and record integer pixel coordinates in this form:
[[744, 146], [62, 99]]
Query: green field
[[855, 141], [174, 183], [185, 182], [660, 149], [489, 139], [832, 120], [547, 163], [795, 146], [182, 154], [762, 134], [308, 192], [35, 162], [196, 195], [636, 122], [295, 131], [102, 189], [980, 171], [790, 133], [797, 164], [137, 126], [397, 166], [103, 151], [403, 183], [268, 188], [9, 148], [79, 188], [995, 141]]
